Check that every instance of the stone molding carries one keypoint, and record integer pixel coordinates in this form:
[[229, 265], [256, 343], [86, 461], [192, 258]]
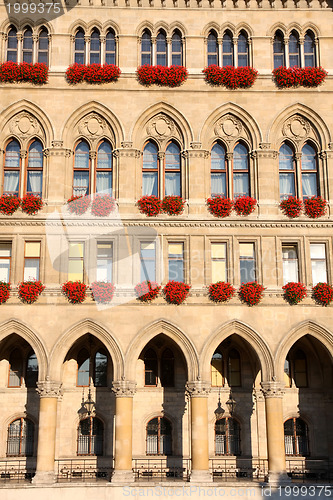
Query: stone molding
[[49, 389], [198, 389], [273, 389], [124, 388]]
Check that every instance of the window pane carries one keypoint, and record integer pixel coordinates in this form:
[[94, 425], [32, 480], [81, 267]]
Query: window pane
[[147, 261], [12, 159], [309, 185], [176, 262], [247, 262], [31, 269], [101, 363], [172, 157], [290, 264], [83, 369], [32, 371], [150, 156], [82, 155], [287, 185], [172, 184], [75, 270], [104, 262], [5, 249], [75, 250], [150, 184], [318, 263], [218, 252], [11, 182], [32, 249]]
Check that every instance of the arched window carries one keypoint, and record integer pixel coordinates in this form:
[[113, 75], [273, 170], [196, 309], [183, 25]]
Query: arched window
[[172, 170], [216, 369], [90, 437], [286, 171], [150, 167], [176, 49], [243, 49], [212, 49], [95, 48], [167, 368], [12, 168], [294, 49], [100, 371], [27, 52], [79, 47], [12, 44], [161, 49], [43, 47], [300, 369], [81, 180], [227, 437], [35, 168], [151, 368], [104, 168], [296, 437], [83, 368], [278, 50], [110, 48], [309, 171], [159, 437], [227, 50], [146, 48], [241, 181], [31, 375], [20, 439], [218, 170], [15, 369], [309, 49], [234, 368]]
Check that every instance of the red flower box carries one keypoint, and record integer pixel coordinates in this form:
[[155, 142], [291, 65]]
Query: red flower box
[[175, 292], [4, 291], [149, 205], [172, 76], [294, 292], [147, 290], [173, 205], [92, 73], [78, 205], [315, 207], [24, 72], [102, 292], [220, 206], [312, 77], [251, 293], [103, 205], [9, 204], [221, 291], [75, 291], [230, 77], [322, 293], [244, 205], [295, 77], [30, 290], [291, 207], [30, 204]]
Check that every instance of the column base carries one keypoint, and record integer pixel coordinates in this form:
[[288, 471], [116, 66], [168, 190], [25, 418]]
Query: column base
[[122, 476], [201, 476], [44, 477], [278, 478]]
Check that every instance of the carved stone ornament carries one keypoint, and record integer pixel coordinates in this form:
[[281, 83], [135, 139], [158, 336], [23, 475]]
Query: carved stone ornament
[[49, 389], [161, 126], [229, 127], [124, 388], [93, 126], [273, 389], [25, 125], [296, 127], [198, 389]]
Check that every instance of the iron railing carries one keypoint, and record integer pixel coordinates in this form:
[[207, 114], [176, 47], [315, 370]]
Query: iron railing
[[309, 470], [162, 469], [231, 468], [16, 471], [83, 469]]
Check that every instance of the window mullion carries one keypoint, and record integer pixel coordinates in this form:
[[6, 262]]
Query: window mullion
[[153, 42], [102, 40], [230, 187], [234, 51], [301, 46], [169, 50], [86, 49], [286, 51], [92, 172], [298, 173]]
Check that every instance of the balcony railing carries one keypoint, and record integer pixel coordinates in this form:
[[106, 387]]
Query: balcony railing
[[83, 469], [16, 471], [233, 468], [162, 469], [309, 470]]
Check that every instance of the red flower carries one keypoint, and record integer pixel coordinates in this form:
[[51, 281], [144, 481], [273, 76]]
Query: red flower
[[24, 72], [75, 291], [92, 73], [230, 77], [295, 77], [251, 293], [221, 291], [291, 207], [30, 204], [172, 76], [103, 205], [4, 291], [102, 292], [294, 292], [244, 205], [175, 292], [315, 207], [9, 204], [147, 290], [322, 293], [149, 205], [78, 204], [173, 205], [220, 206], [30, 290]]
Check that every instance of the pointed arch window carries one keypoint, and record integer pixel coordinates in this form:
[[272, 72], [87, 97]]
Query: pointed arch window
[[218, 170], [234, 369], [43, 47], [150, 166], [81, 181], [27, 52], [227, 437], [146, 48], [20, 438], [15, 368], [92, 367], [294, 50], [161, 49], [278, 50], [216, 369], [35, 168], [12, 168], [212, 49], [300, 369], [79, 47], [286, 171], [296, 437], [176, 49], [12, 44], [241, 181], [159, 436], [309, 49], [90, 437], [95, 48], [110, 48], [100, 369], [172, 170], [309, 171], [151, 368], [83, 368], [227, 50], [104, 168], [167, 368], [31, 375], [243, 49]]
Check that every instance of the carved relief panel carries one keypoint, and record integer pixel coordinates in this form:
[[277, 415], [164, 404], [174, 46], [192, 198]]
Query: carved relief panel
[[162, 128]]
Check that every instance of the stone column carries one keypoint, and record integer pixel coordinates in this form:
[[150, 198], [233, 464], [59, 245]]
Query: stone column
[[273, 392], [124, 391], [49, 392], [198, 392]]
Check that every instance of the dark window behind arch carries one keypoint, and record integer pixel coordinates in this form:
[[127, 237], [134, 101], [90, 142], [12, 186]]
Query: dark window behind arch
[[296, 437], [15, 368], [176, 49], [161, 49], [146, 48], [90, 437], [159, 437], [300, 369], [227, 437], [100, 369], [20, 438], [278, 50], [234, 368], [43, 46], [79, 47], [110, 48], [12, 44], [294, 49], [151, 367], [167, 368], [83, 369], [31, 376], [27, 53], [227, 50], [95, 48], [216, 369], [212, 49], [243, 49], [309, 49]]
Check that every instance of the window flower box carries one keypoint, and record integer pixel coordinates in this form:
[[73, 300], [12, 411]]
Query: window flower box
[[173, 205], [230, 77], [75, 291], [244, 205], [149, 205], [30, 290], [315, 207], [9, 204], [175, 292], [220, 206], [291, 207], [102, 292], [294, 292], [4, 291], [24, 72], [78, 205], [147, 290], [322, 293], [164, 76], [103, 205], [251, 293], [221, 291], [92, 73], [296, 77], [30, 204]]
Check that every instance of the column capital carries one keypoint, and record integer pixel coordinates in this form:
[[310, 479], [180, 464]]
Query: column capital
[[49, 389], [273, 389], [198, 388], [124, 388]]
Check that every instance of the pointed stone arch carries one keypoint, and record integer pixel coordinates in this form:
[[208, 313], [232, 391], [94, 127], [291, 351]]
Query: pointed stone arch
[[260, 347], [143, 26], [211, 26], [277, 27], [293, 27], [312, 27], [177, 25], [244, 27], [77, 24], [66, 341], [174, 333], [228, 26]]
